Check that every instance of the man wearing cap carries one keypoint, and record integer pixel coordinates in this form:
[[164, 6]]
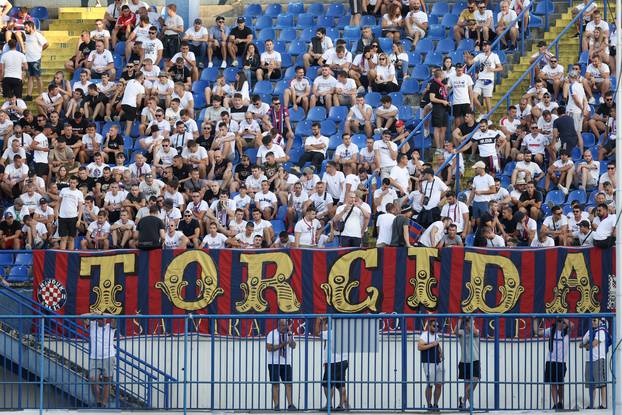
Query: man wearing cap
[[239, 38], [197, 37], [40, 147], [487, 63], [10, 232], [585, 236], [217, 42]]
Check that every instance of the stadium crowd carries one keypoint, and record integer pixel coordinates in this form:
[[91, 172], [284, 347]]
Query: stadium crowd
[[173, 135]]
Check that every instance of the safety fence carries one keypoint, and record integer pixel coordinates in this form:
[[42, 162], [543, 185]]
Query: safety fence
[[378, 362]]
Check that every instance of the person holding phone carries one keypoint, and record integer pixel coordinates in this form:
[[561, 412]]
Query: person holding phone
[[278, 344]]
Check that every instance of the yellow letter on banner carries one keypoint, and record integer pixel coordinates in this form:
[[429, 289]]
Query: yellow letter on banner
[[579, 280], [424, 280], [339, 286], [510, 290], [255, 284], [174, 281], [107, 290]]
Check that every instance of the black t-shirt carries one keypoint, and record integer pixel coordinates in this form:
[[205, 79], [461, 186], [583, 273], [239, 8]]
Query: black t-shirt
[[88, 183], [105, 182], [78, 128], [9, 230], [114, 143], [465, 129], [439, 93], [27, 127], [537, 196], [240, 33], [566, 130], [397, 230], [179, 75], [220, 168], [149, 232], [233, 110], [604, 109], [243, 171], [188, 228], [86, 48], [509, 225], [93, 100], [182, 172], [71, 140], [205, 142], [127, 76], [210, 196]]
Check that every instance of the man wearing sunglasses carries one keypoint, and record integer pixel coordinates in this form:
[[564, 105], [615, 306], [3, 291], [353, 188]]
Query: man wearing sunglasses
[[217, 42], [432, 363]]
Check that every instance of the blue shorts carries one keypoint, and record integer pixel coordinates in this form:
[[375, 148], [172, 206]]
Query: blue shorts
[[479, 208], [34, 68]]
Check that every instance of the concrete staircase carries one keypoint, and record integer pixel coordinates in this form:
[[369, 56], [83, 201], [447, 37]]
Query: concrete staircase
[[568, 54]]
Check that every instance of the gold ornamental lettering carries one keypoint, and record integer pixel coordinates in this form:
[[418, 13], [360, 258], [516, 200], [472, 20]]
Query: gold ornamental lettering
[[107, 290], [255, 285], [339, 286], [510, 290], [174, 282], [578, 280], [424, 280]]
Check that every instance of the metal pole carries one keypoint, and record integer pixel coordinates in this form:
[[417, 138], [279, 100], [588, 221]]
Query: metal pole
[[618, 319]]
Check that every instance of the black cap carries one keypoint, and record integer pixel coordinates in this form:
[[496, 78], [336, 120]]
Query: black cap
[[485, 43], [43, 200], [241, 19], [541, 43]]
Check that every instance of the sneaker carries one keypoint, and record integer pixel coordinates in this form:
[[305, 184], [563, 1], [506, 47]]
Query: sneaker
[[28, 98], [435, 408], [223, 65], [234, 63], [563, 189], [378, 130], [426, 131], [210, 64], [560, 405], [591, 101], [292, 407], [360, 90], [602, 407], [107, 119], [460, 403]]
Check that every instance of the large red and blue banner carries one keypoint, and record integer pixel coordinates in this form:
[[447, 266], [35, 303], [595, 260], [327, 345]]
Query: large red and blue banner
[[309, 281]]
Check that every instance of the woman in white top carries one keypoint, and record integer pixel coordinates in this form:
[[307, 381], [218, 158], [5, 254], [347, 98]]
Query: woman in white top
[[382, 77], [399, 59], [448, 68], [241, 86], [393, 23], [174, 238], [599, 45]]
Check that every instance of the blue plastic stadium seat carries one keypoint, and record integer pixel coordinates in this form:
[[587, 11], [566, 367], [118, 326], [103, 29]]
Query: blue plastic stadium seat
[[305, 21], [252, 154], [296, 116], [280, 46], [386, 44], [316, 9], [405, 113], [436, 32], [577, 195], [295, 153], [368, 20], [338, 114], [296, 8], [317, 114], [333, 141], [263, 22], [458, 7], [333, 33], [409, 86], [425, 45], [230, 73], [263, 87], [307, 34], [470, 239], [6, 260], [273, 10], [288, 35], [535, 22], [544, 7], [466, 44], [397, 98], [39, 12], [107, 126], [555, 197], [360, 140], [303, 128], [297, 47], [18, 274], [198, 87], [336, 10], [351, 33], [23, 259], [326, 22], [588, 140], [289, 73], [433, 59], [253, 10], [421, 73], [509, 168], [449, 21], [284, 20], [440, 8], [278, 226], [373, 99], [328, 127], [265, 34], [280, 87], [445, 45], [209, 74], [457, 56]]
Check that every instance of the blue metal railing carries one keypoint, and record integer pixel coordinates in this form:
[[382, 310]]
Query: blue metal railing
[[221, 361], [418, 128], [507, 95]]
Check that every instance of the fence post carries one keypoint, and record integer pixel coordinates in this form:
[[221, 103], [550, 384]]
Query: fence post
[[613, 363], [41, 362], [329, 388], [405, 363], [307, 328], [212, 362], [185, 363], [497, 357]]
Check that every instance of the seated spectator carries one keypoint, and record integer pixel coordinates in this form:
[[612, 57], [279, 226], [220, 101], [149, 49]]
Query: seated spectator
[[124, 25], [239, 38], [392, 22], [596, 79], [383, 77], [320, 43], [216, 42], [507, 18], [83, 49], [466, 21]]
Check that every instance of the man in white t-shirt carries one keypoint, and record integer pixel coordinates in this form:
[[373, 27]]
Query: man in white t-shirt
[[556, 226], [323, 89], [384, 195], [152, 47], [214, 239], [596, 78], [34, 45], [458, 212], [604, 235], [487, 64], [102, 354], [315, 147], [100, 61], [132, 96], [577, 106], [270, 63], [384, 223], [385, 154], [595, 376], [354, 216], [588, 171], [307, 230], [280, 344], [553, 75], [298, 92], [345, 90], [360, 115], [461, 85], [12, 64], [97, 233], [483, 190], [416, 22], [69, 213], [434, 233]]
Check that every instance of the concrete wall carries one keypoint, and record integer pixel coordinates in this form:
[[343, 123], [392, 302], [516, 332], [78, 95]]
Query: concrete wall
[[230, 373]]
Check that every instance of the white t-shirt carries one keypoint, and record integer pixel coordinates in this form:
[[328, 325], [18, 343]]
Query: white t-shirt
[[280, 356], [346, 153], [264, 200], [334, 184], [600, 352], [460, 87], [102, 340], [70, 200], [455, 212], [353, 227], [576, 90], [298, 201], [389, 197], [536, 144], [12, 64], [550, 72], [313, 140], [14, 173], [276, 150], [308, 231], [508, 18], [401, 176], [214, 242], [548, 241], [419, 17], [96, 230], [605, 228], [132, 90], [489, 62], [486, 142], [300, 85], [41, 156], [273, 57], [426, 237], [324, 84], [385, 228], [433, 191], [483, 183], [33, 44], [174, 240], [598, 73], [385, 155], [384, 73], [100, 60]]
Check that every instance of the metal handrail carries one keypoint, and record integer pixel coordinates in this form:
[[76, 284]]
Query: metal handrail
[[471, 70], [527, 72]]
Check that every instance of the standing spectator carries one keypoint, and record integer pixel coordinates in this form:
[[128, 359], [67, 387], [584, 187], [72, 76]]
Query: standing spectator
[[558, 337], [577, 102], [150, 232], [338, 365], [458, 212], [432, 361], [308, 230], [565, 131], [440, 107], [172, 27], [71, 201], [278, 344], [468, 366], [131, 101], [12, 63], [385, 152], [487, 64], [400, 235], [240, 38], [384, 223], [462, 88], [34, 45], [102, 354], [355, 216], [595, 344]]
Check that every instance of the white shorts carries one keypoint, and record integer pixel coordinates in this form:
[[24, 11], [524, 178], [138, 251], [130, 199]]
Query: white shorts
[[434, 373], [149, 84], [418, 30], [577, 117], [484, 90]]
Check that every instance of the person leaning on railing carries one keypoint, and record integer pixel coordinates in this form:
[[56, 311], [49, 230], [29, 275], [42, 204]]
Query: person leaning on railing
[[432, 361], [278, 344], [469, 364], [595, 344]]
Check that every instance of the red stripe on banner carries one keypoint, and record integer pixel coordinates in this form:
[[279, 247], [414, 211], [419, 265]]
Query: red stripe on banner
[[527, 271], [130, 292], [83, 285], [320, 276], [156, 296], [223, 302], [457, 276], [296, 278], [551, 273], [38, 258], [596, 273], [388, 258], [411, 272]]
